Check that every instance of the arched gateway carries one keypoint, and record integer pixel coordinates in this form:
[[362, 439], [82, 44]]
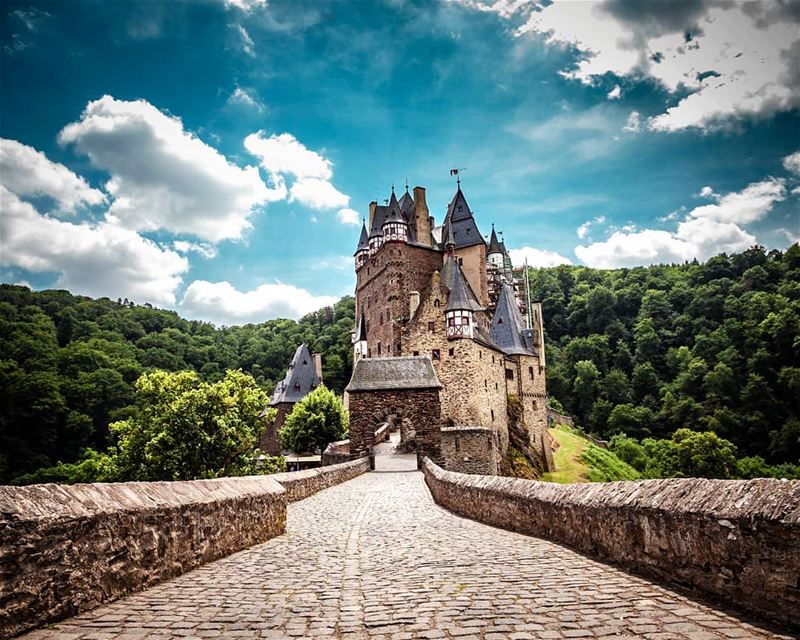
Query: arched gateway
[[406, 387]]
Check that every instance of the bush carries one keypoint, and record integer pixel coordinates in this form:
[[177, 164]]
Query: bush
[[317, 420]]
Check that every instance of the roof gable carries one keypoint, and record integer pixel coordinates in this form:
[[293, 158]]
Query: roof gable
[[401, 372], [507, 324], [301, 378]]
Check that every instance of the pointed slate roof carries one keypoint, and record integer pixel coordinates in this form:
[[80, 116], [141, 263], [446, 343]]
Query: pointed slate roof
[[449, 237], [363, 241], [494, 245], [407, 205], [377, 223], [400, 372], [461, 294], [361, 329], [459, 216], [507, 324], [301, 378]]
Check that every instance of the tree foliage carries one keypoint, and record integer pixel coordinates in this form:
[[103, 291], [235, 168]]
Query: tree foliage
[[317, 420], [651, 350], [68, 366]]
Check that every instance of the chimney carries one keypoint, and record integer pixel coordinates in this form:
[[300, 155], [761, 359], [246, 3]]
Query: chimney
[[413, 302], [318, 365], [372, 206], [422, 223]]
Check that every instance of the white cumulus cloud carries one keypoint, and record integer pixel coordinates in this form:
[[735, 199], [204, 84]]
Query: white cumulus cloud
[[284, 155], [737, 59], [317, 194], [28, 172], [633, 124], [246, 98], [537, 257], [705, 231], [615, 93], [349, 216], [222, 303], [164, 177], [792, 163], [92, 259], [207, 251]]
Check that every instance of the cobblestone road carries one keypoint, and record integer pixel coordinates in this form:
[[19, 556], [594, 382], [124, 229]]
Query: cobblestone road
[[377, 558]]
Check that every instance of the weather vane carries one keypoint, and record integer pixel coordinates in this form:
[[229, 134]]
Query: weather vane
[[457, 172]]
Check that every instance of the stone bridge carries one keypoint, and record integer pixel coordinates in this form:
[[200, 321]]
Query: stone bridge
[[376, 557]]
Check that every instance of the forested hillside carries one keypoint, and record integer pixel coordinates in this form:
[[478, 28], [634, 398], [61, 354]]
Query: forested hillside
[[68, 364], [644, 351], [712, 346]]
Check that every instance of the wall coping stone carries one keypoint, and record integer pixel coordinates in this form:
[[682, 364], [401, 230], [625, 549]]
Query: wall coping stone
[[736, 540], [65, 549]]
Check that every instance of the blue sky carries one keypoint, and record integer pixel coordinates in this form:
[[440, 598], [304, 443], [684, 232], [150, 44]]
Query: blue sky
[[213, 157]]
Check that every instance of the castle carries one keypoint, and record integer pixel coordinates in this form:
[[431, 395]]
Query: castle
[[441, 341]]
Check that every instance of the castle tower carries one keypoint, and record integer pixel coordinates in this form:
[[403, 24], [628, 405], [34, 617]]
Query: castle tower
[[362, 251], [495, 254], [422, 226], [360, 345], [470, 247], [395, 227], [461, 305]]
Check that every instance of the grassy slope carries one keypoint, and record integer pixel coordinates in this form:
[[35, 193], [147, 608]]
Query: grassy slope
[[578, 460]]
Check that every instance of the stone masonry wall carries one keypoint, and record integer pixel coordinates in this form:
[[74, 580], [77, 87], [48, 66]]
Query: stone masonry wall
[[530, 388], [270, 441], [737, 540], [383, 286], [67, 548], [302, 484], [473, 376], [420, 406], [469, 450]]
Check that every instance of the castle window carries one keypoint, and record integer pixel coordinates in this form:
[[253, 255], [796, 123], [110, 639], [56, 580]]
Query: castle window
[[492, 415], [486, 384], [397, 349], [530, 372], [297, 386], [480, 353], [499, 321], [451, 352], [493, 359], [436, 354], [379, 349], [431, 326], [509, 374], [495, 386], [437, 303], [388, 348], [381, 317], [416, 353], [461, 261]]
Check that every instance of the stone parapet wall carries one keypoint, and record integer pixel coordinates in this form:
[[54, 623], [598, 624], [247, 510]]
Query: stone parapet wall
[[469, 450], [66, 549], [737, 540], [336, 453], [302, 484]]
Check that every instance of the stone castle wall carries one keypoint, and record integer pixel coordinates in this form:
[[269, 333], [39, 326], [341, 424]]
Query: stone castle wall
[[737, 540], [474, 391], [420, 406], [67, 548], [473, 266], [270, 441], [529, 387], [470, 450], [383, 286]]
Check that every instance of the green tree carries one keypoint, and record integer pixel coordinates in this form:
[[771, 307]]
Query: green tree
[[317, 420], [186, 429]]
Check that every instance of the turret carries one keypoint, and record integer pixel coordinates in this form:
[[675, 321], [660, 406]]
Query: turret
[[359, 339], [362, 251], [395, 227], [495, 254], [461, 304]]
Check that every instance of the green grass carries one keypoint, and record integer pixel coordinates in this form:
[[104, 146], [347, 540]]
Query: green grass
[[578, 460]]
